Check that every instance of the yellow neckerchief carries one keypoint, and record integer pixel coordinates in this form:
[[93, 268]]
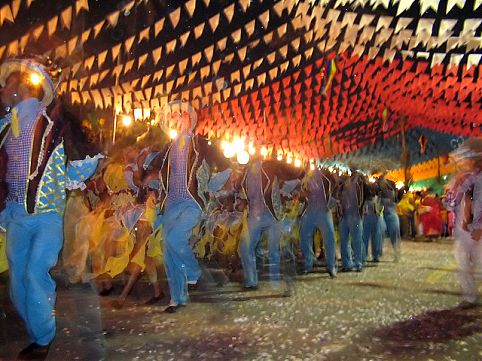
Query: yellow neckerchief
[[15, 123]]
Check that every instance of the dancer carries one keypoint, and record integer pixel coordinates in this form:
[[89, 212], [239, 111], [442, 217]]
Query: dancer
[[37, 147]]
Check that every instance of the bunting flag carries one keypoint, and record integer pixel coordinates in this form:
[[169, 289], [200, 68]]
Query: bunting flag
[[329, 74]]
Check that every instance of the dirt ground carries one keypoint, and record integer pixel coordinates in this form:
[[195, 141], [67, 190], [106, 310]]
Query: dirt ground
[[390, 311]]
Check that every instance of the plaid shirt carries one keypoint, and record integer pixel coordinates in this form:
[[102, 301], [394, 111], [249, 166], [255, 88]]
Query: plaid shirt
[[18, 150], [178, 172]]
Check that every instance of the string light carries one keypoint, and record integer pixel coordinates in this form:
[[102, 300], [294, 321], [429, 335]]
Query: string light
[[251, 149], [264, 151], [279, 157], [297, 163], [243, 157], [173, 133], [126, 121]]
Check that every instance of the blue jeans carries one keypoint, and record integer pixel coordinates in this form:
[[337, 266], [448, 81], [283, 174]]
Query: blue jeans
[[372, 231], [351, 225], [393, 229], [181, 265], [323, 220], [257, 224], [33, 246]]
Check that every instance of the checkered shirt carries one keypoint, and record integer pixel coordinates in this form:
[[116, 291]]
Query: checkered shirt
[[18, 150], [178, 172]]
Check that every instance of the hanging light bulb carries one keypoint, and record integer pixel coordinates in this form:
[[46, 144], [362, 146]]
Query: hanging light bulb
[[279, 157], [312, 166], [126, 121], [173, 133], [264, 151], [289, 160], [297, 163], [243, 157], [251, 149], [229, 151]]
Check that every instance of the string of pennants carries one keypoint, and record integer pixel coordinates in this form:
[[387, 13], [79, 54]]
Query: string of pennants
[[322, 77]]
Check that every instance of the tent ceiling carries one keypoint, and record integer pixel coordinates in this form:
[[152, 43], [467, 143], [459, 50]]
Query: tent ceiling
[[311, 78]]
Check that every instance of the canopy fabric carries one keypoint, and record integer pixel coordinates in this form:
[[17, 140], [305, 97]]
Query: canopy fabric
[[307, 79]]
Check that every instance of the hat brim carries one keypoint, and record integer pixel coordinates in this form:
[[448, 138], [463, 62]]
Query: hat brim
[[29, 66]]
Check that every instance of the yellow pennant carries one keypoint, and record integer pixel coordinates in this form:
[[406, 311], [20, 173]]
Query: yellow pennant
[[15, 123]]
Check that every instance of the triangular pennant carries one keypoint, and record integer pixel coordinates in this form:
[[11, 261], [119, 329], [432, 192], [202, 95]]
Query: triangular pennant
[[81, 4], [142, 59], [184, 38], [183, 65], [101, 58], [196, 58], [249, 27], [156, 55], [208, 53], [113, 18], [15, 7], [158, 26], [115, 51], [216, 66], [170, 46], [52, 25], [404, 5], [242, 53], [214, 22], [144, 34], [128, 44], [244, 4], [236, 36], [66, 17], [169, 70], [98, 28], [24, 41], [72, 45], [37, 32], [198, 30], [264, 19], [429, 4], [175, 17], [229, 12], [190, 7]]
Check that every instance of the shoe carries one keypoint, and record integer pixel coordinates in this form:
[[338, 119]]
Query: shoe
[[171, 309], [358, 269], [332, 274], [466, 305], [347, 269], [250, 288], [34, 351]]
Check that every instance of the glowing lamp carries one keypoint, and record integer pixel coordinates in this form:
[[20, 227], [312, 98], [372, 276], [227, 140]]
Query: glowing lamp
[[126, 121], [173, 133], [251, 149], [264, 151], [279, 157], [229, 151], [243, 157], [289, 160], [312, 166], [297, 163]]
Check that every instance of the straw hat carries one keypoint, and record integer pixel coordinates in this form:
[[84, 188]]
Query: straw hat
[[48, 75]]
